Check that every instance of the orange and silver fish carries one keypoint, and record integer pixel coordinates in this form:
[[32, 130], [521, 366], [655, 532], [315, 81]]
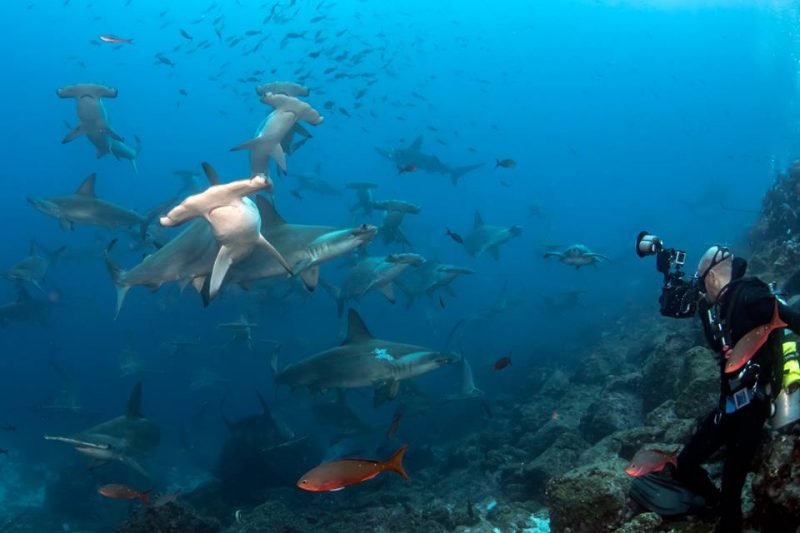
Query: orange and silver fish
[[339, 474], [647, 461], [753, 340], [108, 38], [124, 492]]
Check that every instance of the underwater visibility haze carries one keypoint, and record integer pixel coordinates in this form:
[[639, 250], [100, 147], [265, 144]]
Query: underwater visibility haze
[[308, 265]]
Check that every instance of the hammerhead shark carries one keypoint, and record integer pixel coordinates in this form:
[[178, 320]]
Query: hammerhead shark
[[429, 278], [84, 207], [127, 438], [372, 273], [412, 155], [396, 211], [272, 130], [33, 268], [304, 247], [93, 121], [234, 219], [25, 308], [485, 238], [363, 190], [363, 361]]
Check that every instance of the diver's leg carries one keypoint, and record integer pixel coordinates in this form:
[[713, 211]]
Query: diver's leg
[[706, 440], [742, 438]]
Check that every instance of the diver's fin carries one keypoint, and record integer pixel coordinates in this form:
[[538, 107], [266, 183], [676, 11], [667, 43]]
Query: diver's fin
[[661, 493]]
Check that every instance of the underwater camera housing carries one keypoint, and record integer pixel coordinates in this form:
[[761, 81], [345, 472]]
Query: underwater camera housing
[[679, 297]]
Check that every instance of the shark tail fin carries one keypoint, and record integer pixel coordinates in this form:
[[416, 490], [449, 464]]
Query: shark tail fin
[[395, 462], [458, 172], [134, 409], [116, 276]]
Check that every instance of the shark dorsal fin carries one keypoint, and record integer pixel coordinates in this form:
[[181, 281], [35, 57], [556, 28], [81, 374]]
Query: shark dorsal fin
[[417, 144], [356, 330], [87, 187], [134, 409], [269, 215], [211, 173], [478, 220]]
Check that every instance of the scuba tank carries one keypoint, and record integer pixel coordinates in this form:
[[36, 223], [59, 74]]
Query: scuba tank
[[786, 406], [787, 403]]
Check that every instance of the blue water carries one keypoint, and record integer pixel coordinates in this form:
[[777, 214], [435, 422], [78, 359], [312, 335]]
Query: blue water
[[621, 116]]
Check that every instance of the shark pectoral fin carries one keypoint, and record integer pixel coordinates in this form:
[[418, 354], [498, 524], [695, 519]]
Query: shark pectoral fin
[[388, 291], [114, 135], [494, 251], [135, 168], [222, 263], [386, 392], [279, 156], [183, 283], [310, 278], [73, 134], [198, 283], [135, 465], [64, 224], [264, 243], [247, 145]]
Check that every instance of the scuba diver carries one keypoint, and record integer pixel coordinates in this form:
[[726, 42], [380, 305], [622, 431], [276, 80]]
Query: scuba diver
[[743, 322]]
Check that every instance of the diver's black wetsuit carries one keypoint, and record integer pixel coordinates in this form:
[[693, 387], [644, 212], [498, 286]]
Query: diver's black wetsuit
[[745, 304]]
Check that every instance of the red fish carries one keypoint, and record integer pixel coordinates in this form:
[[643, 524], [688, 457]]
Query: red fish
[[753, 340], [647, 461], [453, 235], [108, 38], [339, 474], [398, 416], [411, 167], [124, 492], [503, 362]]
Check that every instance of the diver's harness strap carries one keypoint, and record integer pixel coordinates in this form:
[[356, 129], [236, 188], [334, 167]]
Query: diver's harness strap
[[744, 386]]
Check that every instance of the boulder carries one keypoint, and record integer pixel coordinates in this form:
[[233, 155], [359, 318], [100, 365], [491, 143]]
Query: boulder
[[776, 490], [591, 498]]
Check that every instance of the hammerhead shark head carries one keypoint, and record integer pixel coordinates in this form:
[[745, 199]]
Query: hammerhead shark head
[[93, 121], [127, 438], [272, 130], [429, 278], [485, 238], [234, 219], [412, 155], [363, 361]]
